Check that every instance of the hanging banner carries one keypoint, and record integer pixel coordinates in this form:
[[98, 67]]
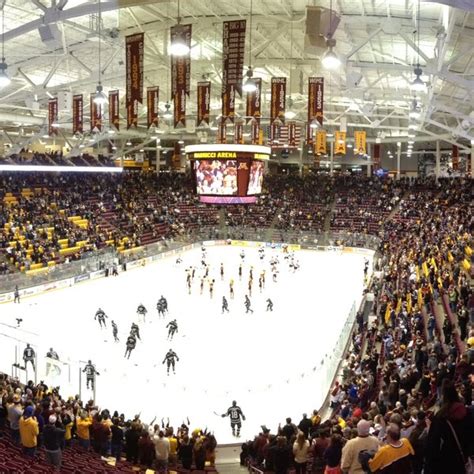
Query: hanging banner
[[360, 142], [114, 117], [222, 132], [152, 102], [455, 156], [52, 116], [96, 115], [255, 132], [291, 134], [315, 99], [339, 143], [134, 45], [376, 155], [253, 111], [309, 134], [233, 51], [77, 114], [176, 160], [320, 146], [239, 132], [180, 73], [203, 102], [278, 98]]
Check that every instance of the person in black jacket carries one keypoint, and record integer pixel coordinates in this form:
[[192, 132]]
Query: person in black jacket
[[450, 439], [53, 435], [131, 442], [281, 456], [185, 452], [117, 439], [305, 425]]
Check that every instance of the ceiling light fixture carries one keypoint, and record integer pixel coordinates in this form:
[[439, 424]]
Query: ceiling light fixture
[[179, 47], [100, 98], [249, 85], [418, 85], [167, 115], [4, 78], [330, 59]]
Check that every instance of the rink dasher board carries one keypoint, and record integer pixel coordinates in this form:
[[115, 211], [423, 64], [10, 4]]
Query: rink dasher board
[[68, 282]]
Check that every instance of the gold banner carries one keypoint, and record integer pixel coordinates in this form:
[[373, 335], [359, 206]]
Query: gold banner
[[340, 143], [360, 143], [320, 145]]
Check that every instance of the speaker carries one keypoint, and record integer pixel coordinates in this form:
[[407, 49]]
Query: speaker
[[318, 25], [50, 35]]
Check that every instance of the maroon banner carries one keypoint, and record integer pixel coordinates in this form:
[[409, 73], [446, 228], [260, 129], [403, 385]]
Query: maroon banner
[[239, 132], [180, 73], [309, 134], [315, 99], [292, 134], [254, 102], [96, 115], [255, 132], [114, 117], [376, 154], [455, 156], [134, 45], [77, 114], [152, 102], [228, 104], [221, 132], [52, 116], [278, 98], [203, 102]]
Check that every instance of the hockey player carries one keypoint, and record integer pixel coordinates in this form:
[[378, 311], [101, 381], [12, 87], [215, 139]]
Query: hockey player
[[91, 372], [247, 305], [251, 273], [211, 287], [260, 284], [242, 255], [100, 316], [188, 283], [18, 322], [164, 303], [250, 286], [170, 358], [135, 331], [231, 288], [51, 354], [269, 304], [222, 271], [262, 276], [16, 295], [202, 286], [179, 260], [225, 305], [29, 356], [240, 272], [141, 311], [130, 345], [159, 307], [261, 253], [172, 329], [115, 331], [235, 414]]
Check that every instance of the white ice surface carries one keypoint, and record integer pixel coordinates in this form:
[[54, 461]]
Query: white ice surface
[[263, 360]]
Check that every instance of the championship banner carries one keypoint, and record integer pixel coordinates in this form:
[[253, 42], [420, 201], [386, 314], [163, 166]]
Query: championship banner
[[255, 132], [315, 104], [455, 156], [180, 73], [254, 102], [222, 132], [291, 134], [77, 114], [233, 52], [152, 102], [114, 117], [339, 143], [203, 102], [360, 142], [134, 45], [309, 134], [320, 146], [52, 116], [278, 98], [96, 115], [376, 154], [239, 132]]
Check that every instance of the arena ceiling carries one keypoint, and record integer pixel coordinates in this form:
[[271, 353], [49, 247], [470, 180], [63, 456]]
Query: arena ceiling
[[376, 40]]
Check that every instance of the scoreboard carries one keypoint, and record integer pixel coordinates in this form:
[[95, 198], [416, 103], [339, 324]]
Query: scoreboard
[[227, 174]]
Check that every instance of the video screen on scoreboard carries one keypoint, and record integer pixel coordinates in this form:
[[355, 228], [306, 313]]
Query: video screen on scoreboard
[[255, 178], [217, 177]]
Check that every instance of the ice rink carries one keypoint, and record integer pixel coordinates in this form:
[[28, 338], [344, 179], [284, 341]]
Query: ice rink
[[269, 362]]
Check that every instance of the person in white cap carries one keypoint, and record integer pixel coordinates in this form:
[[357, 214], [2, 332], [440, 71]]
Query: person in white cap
[[53, 435], [350, 453]]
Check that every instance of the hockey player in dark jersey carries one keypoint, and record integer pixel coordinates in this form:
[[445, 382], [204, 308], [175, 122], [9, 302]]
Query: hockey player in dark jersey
[[29, 356], [16, 295], [141, 311], [52, 354], [242, 255], [115, 331], [170, 358], [247, 305], [240, 272], [91, 373], [164, 303], [225, 305], [160, 309], [130, 345], [100, 316], [269, 304], [222, 271], [236, 417], [172, 329], [135, 331]]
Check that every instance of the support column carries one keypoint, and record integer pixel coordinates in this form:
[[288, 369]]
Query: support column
[[399, 155], [300, 164], [438, 160], [472, 158], [331, 164]]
